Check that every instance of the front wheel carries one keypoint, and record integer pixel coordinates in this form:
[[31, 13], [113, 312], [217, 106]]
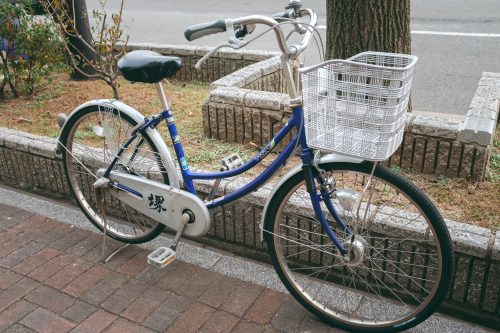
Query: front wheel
[[400, 256]]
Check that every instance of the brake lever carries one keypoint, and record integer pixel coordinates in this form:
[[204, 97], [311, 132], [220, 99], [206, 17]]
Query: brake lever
[[231, 35], [215, 49]]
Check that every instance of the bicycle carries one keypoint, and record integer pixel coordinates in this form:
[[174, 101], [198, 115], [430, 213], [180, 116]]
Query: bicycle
[[354, 242]]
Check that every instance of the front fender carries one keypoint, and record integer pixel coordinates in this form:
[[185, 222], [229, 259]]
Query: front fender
[[137, 117], [330, 158]]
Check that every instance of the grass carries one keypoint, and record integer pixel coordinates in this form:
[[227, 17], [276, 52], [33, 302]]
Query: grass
[[457, 198]]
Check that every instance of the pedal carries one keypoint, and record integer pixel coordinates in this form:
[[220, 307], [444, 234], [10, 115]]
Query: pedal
[[231, 162], [161, 257]]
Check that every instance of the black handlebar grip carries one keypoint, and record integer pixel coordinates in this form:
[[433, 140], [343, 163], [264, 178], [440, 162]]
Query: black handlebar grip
[[199, 30]]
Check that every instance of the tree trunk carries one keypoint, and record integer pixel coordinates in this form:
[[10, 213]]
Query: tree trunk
[[81, 44], [354, 26]]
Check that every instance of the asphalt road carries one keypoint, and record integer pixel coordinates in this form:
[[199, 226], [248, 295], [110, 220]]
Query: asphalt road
[[449, 65]]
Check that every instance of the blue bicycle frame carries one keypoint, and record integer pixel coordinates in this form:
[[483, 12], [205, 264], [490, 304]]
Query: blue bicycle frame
[[306, 154]]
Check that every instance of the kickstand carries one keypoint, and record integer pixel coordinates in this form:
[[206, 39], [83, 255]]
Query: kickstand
[[108, 258], [100, 203]]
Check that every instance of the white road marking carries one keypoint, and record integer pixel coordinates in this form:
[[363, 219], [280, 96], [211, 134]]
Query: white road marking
[[444, 33]]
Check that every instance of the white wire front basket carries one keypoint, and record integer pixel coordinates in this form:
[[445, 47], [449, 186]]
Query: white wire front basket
[[358, 106]]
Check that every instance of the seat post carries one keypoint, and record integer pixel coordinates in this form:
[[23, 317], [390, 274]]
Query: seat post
[[163, 98]]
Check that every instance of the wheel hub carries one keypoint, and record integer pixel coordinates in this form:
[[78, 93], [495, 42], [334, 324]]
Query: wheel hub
[[357, 250]]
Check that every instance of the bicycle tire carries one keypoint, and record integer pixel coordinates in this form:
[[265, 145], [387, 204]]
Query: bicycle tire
[[125, 224], [377, 286]]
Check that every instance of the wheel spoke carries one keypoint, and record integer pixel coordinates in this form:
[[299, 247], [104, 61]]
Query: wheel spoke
[[92, 143], [394, 263]]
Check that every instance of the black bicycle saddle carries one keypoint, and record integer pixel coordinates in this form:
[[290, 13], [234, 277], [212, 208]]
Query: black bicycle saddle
[[147, 66]]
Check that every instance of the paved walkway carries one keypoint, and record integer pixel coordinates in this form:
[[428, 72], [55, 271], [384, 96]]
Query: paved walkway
[[52, 280]]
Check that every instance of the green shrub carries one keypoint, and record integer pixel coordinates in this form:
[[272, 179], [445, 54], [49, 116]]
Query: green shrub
[[31, 49]]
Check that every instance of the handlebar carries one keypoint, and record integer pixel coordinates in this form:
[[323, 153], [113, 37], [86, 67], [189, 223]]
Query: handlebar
[[239, 27], [204, 29]]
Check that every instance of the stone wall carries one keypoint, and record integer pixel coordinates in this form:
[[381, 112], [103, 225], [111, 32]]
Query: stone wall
[[222, 63], [459, 146], [29, 162]]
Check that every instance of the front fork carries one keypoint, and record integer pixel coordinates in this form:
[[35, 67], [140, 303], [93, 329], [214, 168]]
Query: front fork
[[312, 171]]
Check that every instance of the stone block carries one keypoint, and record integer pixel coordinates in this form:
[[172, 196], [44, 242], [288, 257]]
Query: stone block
[[443, 156], [270, 66], [435, 127], [267, 121], [25, 169], [258, 55], [480, 163], [4, 133], [231, 80], [214, 123], [221, 120], [395, 159], [460, 282], [3, 164], [226, 64], [217, 216], [213, 70], [231, 54], [240, 125], [419, 153], [430, 158], [407, 151], [182, 50], [202, 50], [228, 95], [468, 159], [229, 222], [230, 125], [18, 143], [285, 104], [469, 239], [483, 107], [257, 127], [251, 75], [495, 252], [476, 283], [248, 125], [477, 130], [250, 234], [256, 85], [264, 100], [492, 288], [43, 149], [455, 157], [205, 118], [238, 222]]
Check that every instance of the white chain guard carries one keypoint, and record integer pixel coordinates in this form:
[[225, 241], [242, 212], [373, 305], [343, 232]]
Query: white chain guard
[[161, 202]]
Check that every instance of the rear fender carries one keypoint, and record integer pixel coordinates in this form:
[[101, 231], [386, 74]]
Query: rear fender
[[137, 117]]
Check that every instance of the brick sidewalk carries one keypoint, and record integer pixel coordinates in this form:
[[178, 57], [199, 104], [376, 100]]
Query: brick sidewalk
[[51, 280]]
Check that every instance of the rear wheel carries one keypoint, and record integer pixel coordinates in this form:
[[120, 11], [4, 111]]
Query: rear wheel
[[91, 139], [400, 255]]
